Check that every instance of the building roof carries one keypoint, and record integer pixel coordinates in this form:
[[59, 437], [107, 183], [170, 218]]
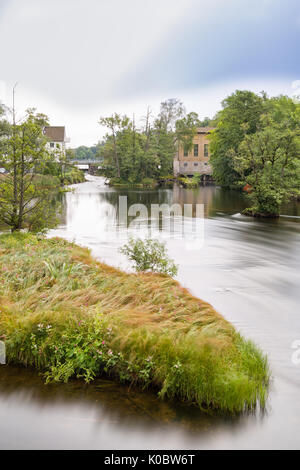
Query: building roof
[[205, 130], [55, 133]]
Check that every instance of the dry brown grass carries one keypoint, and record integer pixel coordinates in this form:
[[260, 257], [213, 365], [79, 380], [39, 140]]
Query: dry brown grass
[[151, 315]]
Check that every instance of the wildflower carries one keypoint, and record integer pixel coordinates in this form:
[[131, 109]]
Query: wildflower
[[110, 352], [103, 342]]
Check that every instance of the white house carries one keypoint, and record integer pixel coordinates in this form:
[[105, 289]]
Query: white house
[[57, 138]]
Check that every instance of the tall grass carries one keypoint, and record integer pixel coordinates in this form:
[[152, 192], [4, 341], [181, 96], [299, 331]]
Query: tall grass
[[68, 315]]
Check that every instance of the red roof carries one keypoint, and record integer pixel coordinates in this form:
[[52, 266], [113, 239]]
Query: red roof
[[55, 133]]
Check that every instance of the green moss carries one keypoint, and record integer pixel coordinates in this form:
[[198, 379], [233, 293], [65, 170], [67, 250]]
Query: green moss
[[68, 315]]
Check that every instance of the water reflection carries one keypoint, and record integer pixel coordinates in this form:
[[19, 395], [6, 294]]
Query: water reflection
[[99, 415], [247, 268]]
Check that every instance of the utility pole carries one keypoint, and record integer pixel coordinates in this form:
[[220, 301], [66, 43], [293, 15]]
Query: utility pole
[[15, 177], [14, 110]]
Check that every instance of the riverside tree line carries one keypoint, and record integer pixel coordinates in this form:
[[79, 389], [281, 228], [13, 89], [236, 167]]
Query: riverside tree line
[[255, 145], [135, 154]]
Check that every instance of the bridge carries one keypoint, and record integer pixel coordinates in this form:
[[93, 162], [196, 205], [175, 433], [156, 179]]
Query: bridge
[[90, 166]]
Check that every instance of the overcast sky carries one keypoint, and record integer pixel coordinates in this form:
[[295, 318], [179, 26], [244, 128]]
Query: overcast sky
[[77, 60]]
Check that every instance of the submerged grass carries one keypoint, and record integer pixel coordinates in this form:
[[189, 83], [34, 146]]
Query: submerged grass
[[68, 315]]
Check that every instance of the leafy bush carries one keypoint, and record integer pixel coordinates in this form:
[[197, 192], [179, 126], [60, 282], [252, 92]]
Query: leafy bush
[[74, 176], [149, 255], [149, 183], [190, 183]]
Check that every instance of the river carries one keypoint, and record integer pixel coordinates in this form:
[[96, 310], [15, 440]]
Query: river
[[248, 269]]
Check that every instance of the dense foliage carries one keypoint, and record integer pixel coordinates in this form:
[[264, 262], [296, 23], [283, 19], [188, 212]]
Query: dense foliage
[[87, 153], [26, 195], [33, 174], [240, 116], [257, 144], [64, 169], [132, 155]]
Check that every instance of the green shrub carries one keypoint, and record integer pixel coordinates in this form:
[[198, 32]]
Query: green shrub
[[149, 255]]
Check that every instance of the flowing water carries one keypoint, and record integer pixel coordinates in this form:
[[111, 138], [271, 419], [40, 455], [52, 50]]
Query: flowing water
[[248, 269]]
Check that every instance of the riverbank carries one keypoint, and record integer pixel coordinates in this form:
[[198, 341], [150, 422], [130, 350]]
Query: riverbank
[[68, 315], [165, 182], [146, 183]]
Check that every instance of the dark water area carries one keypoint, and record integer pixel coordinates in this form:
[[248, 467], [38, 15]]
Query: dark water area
[[248, 269], [102, 414]]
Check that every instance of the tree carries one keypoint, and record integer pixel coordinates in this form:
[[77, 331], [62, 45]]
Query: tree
[[207, 122], [87, 153], [186, 129], [133, 155], [4, 124], [115, 124], [269, 163], [170, 111], [240, 117], [26, 198]]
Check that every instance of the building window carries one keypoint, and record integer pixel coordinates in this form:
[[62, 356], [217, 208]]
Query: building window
[[195, 164], [185, 164], [185, 152], [52, 145], [196, 150], [206, 150]]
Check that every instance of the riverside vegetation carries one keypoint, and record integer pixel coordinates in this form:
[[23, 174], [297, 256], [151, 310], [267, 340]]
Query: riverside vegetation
[[34, 175], [68, 315], [255, 145]]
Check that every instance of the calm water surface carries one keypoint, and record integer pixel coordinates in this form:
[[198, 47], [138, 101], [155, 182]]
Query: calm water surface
[[247, 269]]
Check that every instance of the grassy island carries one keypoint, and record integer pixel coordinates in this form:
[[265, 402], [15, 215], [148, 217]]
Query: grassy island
[[68, 315]]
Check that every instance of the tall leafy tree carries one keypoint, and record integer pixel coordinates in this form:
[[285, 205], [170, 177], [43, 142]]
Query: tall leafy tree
[[25, 196], [239, 117], [116, 124], [186, 129], [164, 133], [269, 160]]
